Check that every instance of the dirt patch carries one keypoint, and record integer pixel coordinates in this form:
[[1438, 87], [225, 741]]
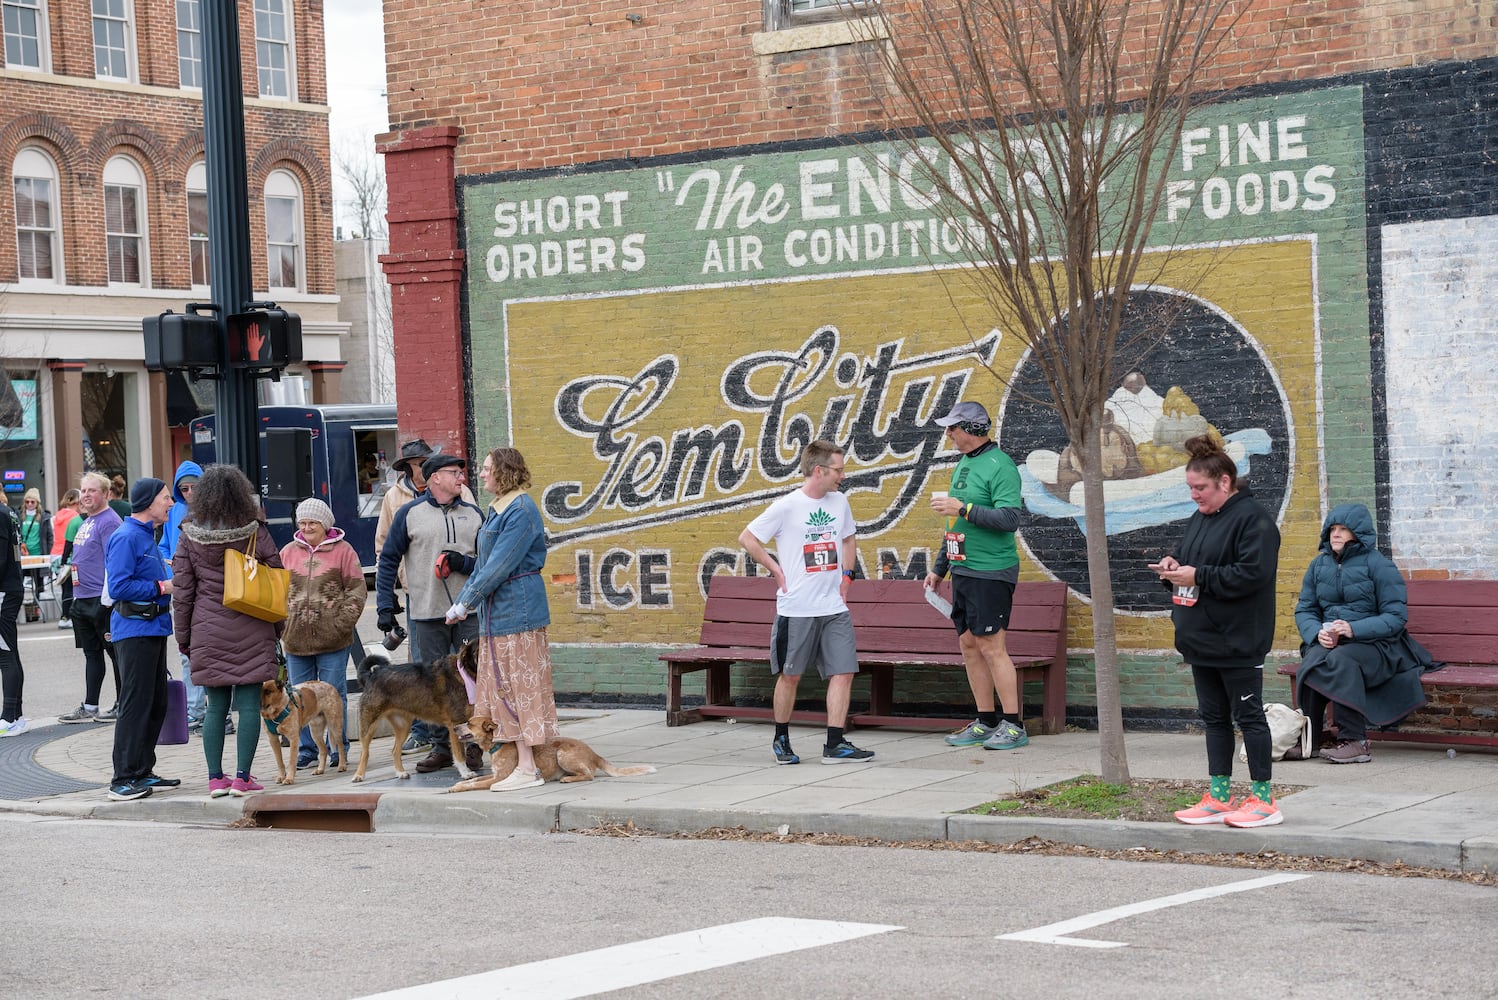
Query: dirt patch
[[1088, 797]]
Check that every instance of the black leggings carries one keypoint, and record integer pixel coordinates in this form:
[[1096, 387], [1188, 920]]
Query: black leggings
[[1227, 696], [12, 677]]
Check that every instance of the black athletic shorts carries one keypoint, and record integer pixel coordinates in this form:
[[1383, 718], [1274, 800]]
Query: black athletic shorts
[[981, 606]]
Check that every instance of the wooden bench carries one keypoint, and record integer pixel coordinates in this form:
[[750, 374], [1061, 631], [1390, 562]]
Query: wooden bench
[[895, 630], [1457, 620]]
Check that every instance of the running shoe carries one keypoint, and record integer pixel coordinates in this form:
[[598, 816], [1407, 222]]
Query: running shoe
[[1208, 810], [783, 752], [845, 753], [1006, 736], [970, 735], [1255, 812]]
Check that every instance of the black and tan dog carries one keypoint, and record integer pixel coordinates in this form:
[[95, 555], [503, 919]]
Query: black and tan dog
[[406, 692], [287, 708], [561, 759]]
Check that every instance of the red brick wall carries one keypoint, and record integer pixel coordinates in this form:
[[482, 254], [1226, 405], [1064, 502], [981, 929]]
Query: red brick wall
[[533, 83], [81, 127]]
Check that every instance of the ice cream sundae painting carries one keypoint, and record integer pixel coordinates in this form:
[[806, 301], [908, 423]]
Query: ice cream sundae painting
[[1144, 463], [1199, 373]]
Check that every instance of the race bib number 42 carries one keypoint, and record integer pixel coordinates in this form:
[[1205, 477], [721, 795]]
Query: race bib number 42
[[820, 557]]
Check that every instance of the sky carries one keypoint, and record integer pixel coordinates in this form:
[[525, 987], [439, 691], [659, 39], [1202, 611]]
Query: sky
[[355, 52]]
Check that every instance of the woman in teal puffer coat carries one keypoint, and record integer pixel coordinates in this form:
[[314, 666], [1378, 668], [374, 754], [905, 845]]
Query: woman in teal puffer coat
[[1357, 655]]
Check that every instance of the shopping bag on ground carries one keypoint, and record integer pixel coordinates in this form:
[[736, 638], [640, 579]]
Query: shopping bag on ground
[[174, 726]]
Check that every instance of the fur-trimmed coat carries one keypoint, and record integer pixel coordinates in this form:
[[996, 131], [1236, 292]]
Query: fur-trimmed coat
[[327, 594], [226, 647]]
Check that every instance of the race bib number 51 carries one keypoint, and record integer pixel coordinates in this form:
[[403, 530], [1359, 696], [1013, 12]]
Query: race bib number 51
[[820, 557]]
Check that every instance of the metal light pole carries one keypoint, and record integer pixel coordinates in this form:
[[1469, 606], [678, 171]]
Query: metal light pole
[[232, 281]]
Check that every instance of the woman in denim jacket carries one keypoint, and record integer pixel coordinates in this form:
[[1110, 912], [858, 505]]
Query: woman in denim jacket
[[509, 595]]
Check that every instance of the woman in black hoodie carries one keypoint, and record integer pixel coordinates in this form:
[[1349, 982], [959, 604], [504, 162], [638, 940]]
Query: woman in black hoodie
[[1222, 578]]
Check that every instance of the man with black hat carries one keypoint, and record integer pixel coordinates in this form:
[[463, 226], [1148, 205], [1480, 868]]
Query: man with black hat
[[436, 535], [982, 512]]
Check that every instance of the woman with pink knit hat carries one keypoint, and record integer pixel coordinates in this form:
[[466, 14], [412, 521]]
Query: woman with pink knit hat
[[324, 604]]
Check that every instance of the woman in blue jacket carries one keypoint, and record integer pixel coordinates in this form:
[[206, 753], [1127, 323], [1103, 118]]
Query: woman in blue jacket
[[514, 682], [1357, 655], [140, 583]]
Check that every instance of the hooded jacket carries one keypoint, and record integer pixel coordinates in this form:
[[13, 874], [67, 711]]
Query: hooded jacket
[[179, 511], [1236, 554], [1361, 585], [226, 647], [136, 570], [327, 594]]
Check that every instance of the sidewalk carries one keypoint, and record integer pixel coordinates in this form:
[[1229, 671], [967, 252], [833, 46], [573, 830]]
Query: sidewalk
[[1412, 804]]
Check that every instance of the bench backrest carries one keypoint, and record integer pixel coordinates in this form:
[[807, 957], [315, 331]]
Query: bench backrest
[[1457, 620], [891, 616]]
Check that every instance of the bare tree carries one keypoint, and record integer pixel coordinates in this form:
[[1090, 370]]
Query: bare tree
[[360, 172], [1047, 127]]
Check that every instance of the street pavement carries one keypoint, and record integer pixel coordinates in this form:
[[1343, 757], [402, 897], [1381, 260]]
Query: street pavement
[[1413, 803]]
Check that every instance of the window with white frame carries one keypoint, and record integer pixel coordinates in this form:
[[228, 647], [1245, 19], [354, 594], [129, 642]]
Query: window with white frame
[[273, 52], [114, 40], [38, 238], [197, 221], [190, 43], [125, 221], [283, 230], [26, 34], [789, 13]]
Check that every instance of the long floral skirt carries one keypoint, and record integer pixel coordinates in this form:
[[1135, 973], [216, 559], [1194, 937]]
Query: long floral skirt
[[514, 686]]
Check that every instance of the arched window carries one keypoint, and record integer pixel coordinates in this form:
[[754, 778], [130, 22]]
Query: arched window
[[283, 230], [38, 235], [197, 221], [125, 221], [26, 35]]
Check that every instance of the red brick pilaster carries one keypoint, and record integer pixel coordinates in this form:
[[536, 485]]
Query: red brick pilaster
[[425, 270]]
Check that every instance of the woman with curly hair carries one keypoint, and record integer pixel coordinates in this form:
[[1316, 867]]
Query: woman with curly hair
[[514, 682], [232, 653]]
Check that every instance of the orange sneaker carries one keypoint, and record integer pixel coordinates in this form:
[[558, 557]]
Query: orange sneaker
[[1255, 812], [1208, 810]]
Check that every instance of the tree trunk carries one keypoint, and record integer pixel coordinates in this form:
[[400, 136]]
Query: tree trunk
[[1115, 758]]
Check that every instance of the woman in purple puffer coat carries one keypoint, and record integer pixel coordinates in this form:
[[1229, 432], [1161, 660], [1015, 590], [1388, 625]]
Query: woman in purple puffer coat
[[232, 654]]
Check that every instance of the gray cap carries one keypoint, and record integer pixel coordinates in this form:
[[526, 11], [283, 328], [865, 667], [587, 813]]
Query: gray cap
[[964, 412]]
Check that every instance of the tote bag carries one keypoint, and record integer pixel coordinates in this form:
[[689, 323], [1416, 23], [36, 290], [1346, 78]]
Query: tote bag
[[253, 588], [1288, 727], [174, 726]]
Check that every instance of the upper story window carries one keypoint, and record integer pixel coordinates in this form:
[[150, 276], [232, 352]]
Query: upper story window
[[190, 43], [125, 221], [789, 13], [197, 222], [38, 237], [283, 230], [26, 34], [114, 40], [273, 55]]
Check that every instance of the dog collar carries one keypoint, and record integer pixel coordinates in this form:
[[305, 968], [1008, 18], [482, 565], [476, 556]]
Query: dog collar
[[271, 724]]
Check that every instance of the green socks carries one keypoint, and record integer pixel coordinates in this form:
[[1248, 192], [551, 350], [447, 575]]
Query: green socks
[[1261, 791], [1222, 786]]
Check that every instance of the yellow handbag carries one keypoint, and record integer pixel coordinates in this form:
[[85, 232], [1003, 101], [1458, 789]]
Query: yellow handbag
[[252, 588]]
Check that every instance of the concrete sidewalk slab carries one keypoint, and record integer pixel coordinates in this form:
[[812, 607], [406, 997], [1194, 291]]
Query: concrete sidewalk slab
[[1411, 803]]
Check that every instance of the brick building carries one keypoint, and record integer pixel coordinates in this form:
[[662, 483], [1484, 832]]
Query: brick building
[[659, 245], [105, 217]]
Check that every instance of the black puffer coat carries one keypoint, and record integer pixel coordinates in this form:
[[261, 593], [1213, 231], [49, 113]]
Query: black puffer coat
[[225, 647]]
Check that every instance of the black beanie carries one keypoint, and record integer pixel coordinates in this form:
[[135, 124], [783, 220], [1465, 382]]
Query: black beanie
[[144, 493]]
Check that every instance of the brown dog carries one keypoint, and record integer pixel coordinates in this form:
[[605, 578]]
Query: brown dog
[[561, 759], [286, 709], [406, 692]]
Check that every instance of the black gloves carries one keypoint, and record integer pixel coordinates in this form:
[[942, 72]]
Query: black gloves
[[386, 620]]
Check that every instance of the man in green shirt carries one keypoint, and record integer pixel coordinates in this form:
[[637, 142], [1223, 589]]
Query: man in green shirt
[[982, 511]]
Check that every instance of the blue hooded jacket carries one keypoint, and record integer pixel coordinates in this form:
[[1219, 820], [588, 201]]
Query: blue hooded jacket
[[1361, 586], [178, 513]]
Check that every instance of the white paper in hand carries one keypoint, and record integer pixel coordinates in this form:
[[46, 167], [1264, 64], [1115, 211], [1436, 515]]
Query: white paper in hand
[[940, 603]]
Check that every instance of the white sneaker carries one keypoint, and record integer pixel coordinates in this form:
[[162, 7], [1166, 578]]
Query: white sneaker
[[518, 779], [15, 728]]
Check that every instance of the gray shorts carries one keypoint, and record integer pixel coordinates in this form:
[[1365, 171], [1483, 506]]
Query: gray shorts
[[827, 641]]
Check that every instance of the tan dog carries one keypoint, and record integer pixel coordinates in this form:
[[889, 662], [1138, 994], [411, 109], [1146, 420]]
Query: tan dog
[[559, 759], [316, 704]]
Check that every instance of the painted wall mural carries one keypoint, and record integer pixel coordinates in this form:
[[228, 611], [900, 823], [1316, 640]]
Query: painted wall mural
[[661, 341]]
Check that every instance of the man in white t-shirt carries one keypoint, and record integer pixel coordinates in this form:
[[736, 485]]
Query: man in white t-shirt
[[813, 531]]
